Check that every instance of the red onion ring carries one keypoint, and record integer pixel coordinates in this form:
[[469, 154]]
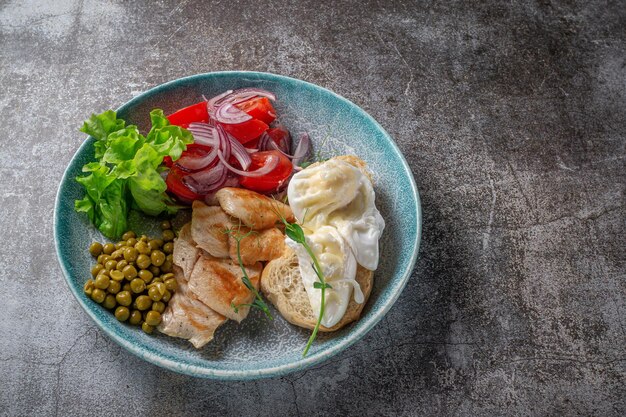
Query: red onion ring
[[229, 114], [206, 181], [239, 152], [195, 163], [302, 150], [270, 163]]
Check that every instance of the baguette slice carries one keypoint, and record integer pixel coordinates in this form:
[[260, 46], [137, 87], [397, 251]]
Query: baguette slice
[[281, 283]]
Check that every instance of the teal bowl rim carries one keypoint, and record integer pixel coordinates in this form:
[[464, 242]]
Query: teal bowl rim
[[366, 324]]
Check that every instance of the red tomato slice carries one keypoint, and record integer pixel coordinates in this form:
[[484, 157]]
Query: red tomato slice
[[195, 113], [280, 136], [176, 186], [246, 131], [260, 108], [271, 181], [193, 149]]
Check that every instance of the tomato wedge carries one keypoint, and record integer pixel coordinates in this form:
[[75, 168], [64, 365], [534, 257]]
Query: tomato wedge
[[176, 186], [260, 108], [195, 113], [280, 136], [246, 131], [271, 181], [193, 149]]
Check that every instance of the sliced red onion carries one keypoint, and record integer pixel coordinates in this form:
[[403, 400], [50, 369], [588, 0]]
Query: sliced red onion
[[239, 152], [255, 92], [203, 134], [231, 181], [252, 150], [213, 102], [231, 115], [302, 150], [224, 142], [206, 181], [270, 163], [194, 163], [264, 141]]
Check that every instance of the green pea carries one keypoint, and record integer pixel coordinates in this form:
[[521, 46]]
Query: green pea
[[146, 327], [98, 295], [130, 254], [155, 294], [102, 259], [143, 302], [168, 235], [109, 302], [117, 254], [135, 317], [124, 298], [165, 224], [114, 287], [117, 275], [166, 296], [155, 244], [121, 264], [108, 248], [126, 287], [156, 280], [128, 235], [143, 261], [96, 269], [119, 245], [145, 275], [129, 272], [137, 285], [157, 257], [167, 266], [95, 249], [89, 287], [168, 247], [122, 313], [110, 264], [102, 281], [171, 284], [158, 306], [153, 318], [142, 248], [131, 242]]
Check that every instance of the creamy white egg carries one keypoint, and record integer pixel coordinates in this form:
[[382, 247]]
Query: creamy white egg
[[334, 202]]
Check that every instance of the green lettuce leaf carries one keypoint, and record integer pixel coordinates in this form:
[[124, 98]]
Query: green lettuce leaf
[[128, 170]]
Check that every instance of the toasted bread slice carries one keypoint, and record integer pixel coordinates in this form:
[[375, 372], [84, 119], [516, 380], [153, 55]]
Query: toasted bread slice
[[281, 283]]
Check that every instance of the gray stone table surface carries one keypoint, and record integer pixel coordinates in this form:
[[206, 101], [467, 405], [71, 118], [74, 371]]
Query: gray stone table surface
[[512, 116]]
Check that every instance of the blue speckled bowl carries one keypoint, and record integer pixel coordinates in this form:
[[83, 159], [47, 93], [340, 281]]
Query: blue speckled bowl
[[257, 348]]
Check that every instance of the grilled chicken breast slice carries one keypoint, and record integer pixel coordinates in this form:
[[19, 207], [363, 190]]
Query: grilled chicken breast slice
[[259, 246], [185, 252], [187, 317], [217, 283], [256, 211], [208, 229]]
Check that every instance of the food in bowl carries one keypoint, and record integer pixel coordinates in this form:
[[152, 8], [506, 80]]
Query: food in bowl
[[264, 220]]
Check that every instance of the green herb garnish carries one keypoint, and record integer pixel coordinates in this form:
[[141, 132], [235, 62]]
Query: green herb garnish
[[295, 233], [258, 300]]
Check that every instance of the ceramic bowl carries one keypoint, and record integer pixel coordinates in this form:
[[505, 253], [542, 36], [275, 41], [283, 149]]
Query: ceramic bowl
[[257, 347]]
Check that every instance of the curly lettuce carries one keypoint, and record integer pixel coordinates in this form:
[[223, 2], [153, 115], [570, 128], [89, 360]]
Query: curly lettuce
[[128, 170]]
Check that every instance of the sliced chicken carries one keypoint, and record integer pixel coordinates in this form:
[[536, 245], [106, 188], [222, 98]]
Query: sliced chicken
[[185, 252], [259, 246], [217, 283], [188, 318], [255, 210], [209, 225]]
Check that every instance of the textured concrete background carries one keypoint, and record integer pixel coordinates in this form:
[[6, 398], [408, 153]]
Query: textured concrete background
[[513, 119]]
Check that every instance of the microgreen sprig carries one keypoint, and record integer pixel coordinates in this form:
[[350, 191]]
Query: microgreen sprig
[[258, 300], [295, 233]]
